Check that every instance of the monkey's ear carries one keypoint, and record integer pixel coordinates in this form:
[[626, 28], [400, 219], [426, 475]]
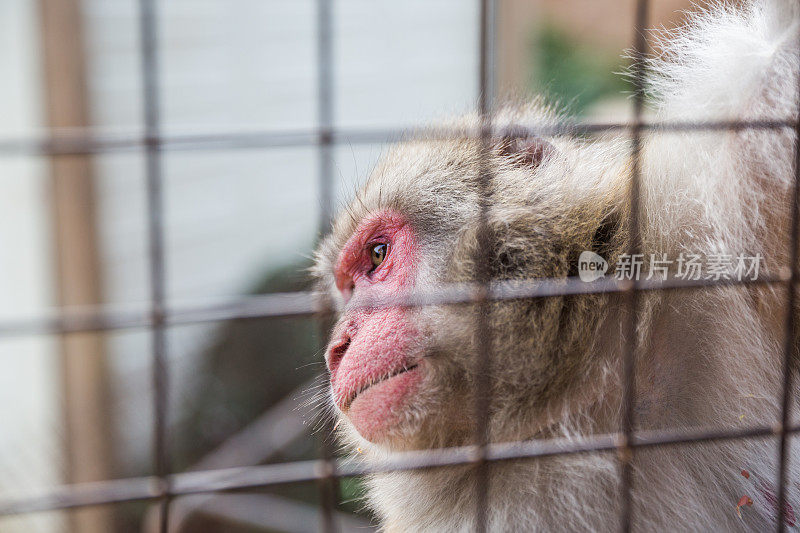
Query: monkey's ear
[[526, 152]]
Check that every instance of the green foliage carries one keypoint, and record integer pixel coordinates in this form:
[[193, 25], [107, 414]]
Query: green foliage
[[248, 367], [574, 73], [351, 494]]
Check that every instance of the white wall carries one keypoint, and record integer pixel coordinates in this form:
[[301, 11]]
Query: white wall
[[227, 65], [30, 428], [250, 65]]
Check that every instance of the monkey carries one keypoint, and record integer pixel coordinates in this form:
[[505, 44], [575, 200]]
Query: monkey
[[405, 377]]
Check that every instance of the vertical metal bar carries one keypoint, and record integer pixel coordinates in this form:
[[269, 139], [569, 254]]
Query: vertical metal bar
[[155, 212], [789, 327], [325, 111], [329, 486], [633, 295], [486, 241]]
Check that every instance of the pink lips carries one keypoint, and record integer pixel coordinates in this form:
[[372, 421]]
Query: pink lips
[[375, 368], [375, 382], [379, 408]]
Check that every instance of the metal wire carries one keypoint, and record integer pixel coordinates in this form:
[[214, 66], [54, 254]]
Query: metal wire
[[328, 486], [155, 215], [298, 304], [790, 326], [165, 485], [625, 451], [486, 241], [88, 141], [233, 479]]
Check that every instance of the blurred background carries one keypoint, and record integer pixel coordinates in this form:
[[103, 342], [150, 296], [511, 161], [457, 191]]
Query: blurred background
[[238, 221]]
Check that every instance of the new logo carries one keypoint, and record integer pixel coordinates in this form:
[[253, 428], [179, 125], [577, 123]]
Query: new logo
[[591, 266]]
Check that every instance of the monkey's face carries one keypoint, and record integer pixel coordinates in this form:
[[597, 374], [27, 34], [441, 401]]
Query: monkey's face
[[404, 377], [375, 354]]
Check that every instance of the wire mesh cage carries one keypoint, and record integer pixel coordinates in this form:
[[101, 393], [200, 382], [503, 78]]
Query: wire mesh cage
[[167, 484]]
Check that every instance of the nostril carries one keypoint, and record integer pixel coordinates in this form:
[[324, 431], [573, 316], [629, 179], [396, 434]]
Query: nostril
[[336, 353], [339, 351]]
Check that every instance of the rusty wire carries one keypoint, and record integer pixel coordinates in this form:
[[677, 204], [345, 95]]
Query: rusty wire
[[166, 485]]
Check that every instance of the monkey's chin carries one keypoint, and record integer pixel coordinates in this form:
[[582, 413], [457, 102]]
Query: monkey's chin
[[378, 411]]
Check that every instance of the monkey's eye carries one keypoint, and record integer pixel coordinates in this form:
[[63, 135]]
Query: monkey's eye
[[377, 253]]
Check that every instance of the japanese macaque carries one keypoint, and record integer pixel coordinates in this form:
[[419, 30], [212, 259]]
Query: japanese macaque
[[404, 378]]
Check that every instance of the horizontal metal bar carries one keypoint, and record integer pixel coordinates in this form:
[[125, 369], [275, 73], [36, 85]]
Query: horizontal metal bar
[[244, 478], [299, 304], [82, 495], [90, 141]]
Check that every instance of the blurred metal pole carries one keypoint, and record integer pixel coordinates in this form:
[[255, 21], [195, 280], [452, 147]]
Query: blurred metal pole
[[625, 450], [156, 260], [329, 485], [259, 512], [486, 240], [83, 355]]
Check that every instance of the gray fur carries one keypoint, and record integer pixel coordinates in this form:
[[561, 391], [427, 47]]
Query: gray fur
[[707, 358]]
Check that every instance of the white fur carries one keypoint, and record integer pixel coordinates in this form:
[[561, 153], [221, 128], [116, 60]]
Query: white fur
[[707, 358]]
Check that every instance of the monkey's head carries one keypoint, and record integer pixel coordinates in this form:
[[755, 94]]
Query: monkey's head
[[405, 377]]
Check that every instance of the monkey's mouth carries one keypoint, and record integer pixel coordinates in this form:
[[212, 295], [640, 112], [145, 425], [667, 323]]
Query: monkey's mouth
[[377, 381]]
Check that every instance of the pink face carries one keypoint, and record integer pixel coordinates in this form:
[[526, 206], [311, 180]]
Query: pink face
[[374, 356]]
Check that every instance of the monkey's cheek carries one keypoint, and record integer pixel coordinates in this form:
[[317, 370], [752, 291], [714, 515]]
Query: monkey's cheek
[[381, 409]]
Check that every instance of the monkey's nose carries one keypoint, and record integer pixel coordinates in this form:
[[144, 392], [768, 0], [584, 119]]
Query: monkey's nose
[[336, 353]]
